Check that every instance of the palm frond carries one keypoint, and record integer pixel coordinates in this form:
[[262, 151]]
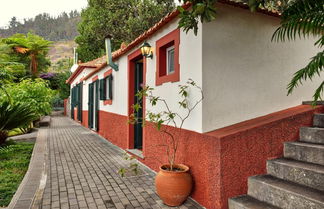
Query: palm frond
[[15, 115], [314, 67], [318, 94], [301, 19]]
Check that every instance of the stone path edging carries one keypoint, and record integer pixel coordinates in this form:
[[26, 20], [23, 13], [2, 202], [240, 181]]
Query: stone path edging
[[30, 189]]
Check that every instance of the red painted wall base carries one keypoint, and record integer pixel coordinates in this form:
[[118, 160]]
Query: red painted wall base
[[222, 160]]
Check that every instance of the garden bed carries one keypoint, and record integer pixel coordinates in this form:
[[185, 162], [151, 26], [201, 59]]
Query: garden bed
[[14, 161]]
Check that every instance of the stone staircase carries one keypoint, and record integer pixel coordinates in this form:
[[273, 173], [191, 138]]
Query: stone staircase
[[293, 182]]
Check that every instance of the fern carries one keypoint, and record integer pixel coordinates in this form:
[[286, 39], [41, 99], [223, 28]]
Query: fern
[[302, 19]]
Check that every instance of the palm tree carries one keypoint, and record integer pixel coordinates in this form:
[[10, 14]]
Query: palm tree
[[30, 45], [13, 115], [302, 19]]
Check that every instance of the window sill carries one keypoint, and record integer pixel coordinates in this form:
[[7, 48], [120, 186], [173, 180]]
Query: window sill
[[174, 77], [136, 152], [108, 102]]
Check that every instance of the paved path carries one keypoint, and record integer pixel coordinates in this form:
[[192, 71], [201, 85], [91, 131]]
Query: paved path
[[82, 173]]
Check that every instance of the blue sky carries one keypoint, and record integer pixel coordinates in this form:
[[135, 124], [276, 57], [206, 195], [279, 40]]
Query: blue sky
[[30, 8]]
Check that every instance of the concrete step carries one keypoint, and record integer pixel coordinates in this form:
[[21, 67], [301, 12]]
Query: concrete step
[[306, 152], [312, 135], [45, 121], [248, 202], [284, 194], [307, 174], [318, 120]]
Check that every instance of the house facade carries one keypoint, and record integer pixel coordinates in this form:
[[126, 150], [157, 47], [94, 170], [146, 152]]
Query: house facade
[[244, 118]]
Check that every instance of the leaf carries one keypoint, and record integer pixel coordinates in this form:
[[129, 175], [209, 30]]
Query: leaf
[[122, 172]]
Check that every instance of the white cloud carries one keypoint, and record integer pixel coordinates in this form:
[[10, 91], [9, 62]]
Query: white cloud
[[30, 8]]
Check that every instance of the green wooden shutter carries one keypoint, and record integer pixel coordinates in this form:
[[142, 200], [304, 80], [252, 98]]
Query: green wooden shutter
[[110, 79], [102, 89], [90, 106]]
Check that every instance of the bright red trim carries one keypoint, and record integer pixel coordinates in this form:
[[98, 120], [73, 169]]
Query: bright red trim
[[108, 102], [171, 39], [74, 74], [95, 71], [261, 121], [131, 67], [95, 78], [107, 73]]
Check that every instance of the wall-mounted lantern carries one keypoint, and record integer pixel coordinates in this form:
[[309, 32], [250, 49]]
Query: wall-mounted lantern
[[109, 54], [146, 50]]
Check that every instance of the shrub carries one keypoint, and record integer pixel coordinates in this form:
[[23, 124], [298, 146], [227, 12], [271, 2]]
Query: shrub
[[35, 93], [12, 116]]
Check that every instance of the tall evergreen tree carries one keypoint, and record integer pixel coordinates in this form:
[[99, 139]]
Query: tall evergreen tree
[[123, 19]]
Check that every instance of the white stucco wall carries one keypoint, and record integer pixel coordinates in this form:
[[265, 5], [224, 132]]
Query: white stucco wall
[[190, 60], [245, 75]]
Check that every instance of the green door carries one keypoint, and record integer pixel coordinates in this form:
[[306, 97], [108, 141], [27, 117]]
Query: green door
[[90, 106], [138, 128], [96, 105], [72, 102], [93, 105], [80, 90]]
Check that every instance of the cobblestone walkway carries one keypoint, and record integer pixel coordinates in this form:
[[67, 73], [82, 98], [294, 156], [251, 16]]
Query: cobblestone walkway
[[82, 173]]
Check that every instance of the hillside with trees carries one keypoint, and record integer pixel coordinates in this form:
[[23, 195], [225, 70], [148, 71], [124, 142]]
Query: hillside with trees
[[62, 27]]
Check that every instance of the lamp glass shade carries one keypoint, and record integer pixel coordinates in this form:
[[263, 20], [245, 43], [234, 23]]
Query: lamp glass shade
[[146, 49]]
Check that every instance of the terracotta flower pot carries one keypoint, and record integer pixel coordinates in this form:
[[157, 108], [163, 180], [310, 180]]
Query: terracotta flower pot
[[173, 187]]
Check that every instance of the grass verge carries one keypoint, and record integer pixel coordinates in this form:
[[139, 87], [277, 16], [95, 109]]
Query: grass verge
[[14, 161]]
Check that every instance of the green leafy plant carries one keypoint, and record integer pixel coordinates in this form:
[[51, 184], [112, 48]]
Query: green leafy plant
[[132, 167], [33, 92], [303, 19], [12, 116], [167, 116]]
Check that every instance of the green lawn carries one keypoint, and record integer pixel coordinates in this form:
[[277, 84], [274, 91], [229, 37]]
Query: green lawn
[[14, 161]]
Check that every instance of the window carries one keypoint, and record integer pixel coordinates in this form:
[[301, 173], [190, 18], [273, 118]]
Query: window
[[108, 87], [170, 60], [167, 53], [105, 87]]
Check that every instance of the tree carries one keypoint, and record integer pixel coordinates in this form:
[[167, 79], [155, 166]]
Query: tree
[[10, 70], [302, 19], [123, 19], [33, 47]]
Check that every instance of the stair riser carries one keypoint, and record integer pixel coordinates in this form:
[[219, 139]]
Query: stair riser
[[281, 198], [298, 175], [312, 135], [246, 202], [318, 120], [304, 153], [235, 205]]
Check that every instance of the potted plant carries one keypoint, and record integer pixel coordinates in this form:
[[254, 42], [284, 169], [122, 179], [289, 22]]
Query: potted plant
[[173, 182]]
